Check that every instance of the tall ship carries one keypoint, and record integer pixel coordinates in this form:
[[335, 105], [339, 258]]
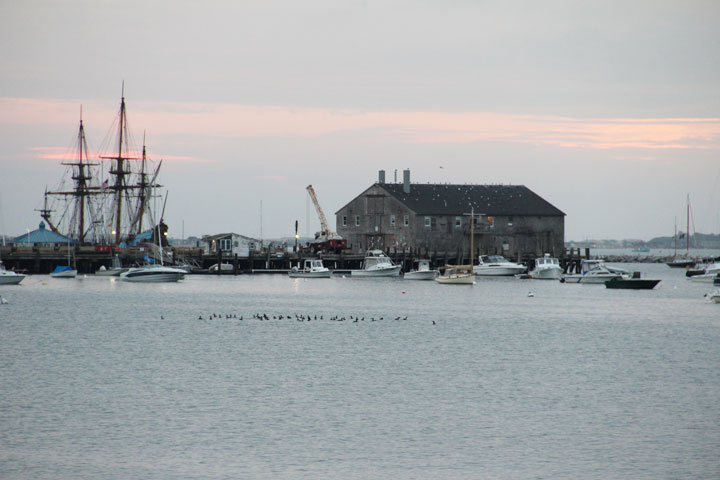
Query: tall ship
[[106, 201]]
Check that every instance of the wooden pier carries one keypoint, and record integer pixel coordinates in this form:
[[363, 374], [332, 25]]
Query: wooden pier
[[88, 259]]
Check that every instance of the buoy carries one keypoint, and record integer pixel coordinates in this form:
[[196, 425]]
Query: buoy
[[403, 292]]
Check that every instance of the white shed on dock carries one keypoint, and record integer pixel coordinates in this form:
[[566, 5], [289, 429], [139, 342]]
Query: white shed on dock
[[231, 244]]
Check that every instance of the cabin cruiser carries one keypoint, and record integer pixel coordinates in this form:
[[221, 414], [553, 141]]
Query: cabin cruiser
[[547, 268], [595, 271], [456, 275], [8, 277], [710, 273], [377, 264], [423, 271], [153, 273], [311, 269], [497, 265]]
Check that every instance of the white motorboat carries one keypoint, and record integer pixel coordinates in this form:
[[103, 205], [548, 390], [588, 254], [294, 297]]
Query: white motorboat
[[711, 273], [377, 264], [8, 277], [547, 268], [456, 275], [497, 265], [715, 296], [595, 271], [423, 271], [63, 271], [153, 273], [311, 269]]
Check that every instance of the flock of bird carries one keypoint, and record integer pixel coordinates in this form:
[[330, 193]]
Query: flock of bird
[[298, 317]]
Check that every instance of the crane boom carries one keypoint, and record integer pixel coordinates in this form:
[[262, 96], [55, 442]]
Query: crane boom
[[321, 214]]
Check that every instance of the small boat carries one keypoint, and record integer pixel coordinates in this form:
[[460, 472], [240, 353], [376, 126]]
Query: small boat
[[595, 271], [423, 271], [113, 271], [311, 269], [456, 275], [224, 267], [497, 265], [709, 274], [546, 268], [8, 277], [632, 283], [681, 263], [377, 264], [64, 271], [153, 273], [715, 296]]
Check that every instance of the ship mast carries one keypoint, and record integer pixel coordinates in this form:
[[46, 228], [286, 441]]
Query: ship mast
[[81, 176], [119, 170]]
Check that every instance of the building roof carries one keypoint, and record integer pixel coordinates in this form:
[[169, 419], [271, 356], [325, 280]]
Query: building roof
[[442, 199], [210, 238], [43, 235]]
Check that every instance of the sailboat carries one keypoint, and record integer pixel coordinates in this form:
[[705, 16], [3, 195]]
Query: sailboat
[[460, 274], [684, 261], [65, 271]]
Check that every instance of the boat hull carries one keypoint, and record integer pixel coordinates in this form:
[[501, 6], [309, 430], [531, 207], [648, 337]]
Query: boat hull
[[456, 279], [327, 274], [705, 278], [153, 275], [632, 284], [547, 274], [498, 271], [681, 264], [12, 279], [64, 274], [111, 272], [420, 275], [393, 271], [590, 279]]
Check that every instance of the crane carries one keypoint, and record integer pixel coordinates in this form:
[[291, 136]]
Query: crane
[[325, 240]]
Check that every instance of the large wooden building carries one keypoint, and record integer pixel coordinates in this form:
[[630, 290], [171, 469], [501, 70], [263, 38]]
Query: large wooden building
[[509, 219]]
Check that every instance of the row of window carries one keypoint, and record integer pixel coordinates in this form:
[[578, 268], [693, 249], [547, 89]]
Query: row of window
[[406, 220], [428, 221]]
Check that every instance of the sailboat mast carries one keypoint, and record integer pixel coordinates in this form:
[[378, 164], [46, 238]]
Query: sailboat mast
[[687, 228], [472, 236]]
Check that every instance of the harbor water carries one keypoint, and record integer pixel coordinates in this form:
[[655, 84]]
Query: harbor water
[[505, 379]]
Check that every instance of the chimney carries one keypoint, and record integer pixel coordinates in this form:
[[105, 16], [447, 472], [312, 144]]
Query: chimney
[[381, 177], [406, 180]]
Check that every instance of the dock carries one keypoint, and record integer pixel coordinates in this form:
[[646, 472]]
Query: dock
[[88, 259]]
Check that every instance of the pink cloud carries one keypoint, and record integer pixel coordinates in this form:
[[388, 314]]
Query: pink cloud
[[237, 121]]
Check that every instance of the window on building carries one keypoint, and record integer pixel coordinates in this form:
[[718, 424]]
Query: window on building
[[344, 221], [406, 220], [225, 244], [357, 220], [458, 222], [428, 221], [392, 220]]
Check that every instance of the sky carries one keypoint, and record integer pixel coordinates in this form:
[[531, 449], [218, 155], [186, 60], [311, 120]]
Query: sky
[[609, 110]]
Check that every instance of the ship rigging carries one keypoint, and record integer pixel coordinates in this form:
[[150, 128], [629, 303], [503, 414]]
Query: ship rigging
[[104, 206]]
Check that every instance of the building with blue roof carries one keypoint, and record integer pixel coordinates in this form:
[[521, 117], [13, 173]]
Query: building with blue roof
[[42, 237]]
